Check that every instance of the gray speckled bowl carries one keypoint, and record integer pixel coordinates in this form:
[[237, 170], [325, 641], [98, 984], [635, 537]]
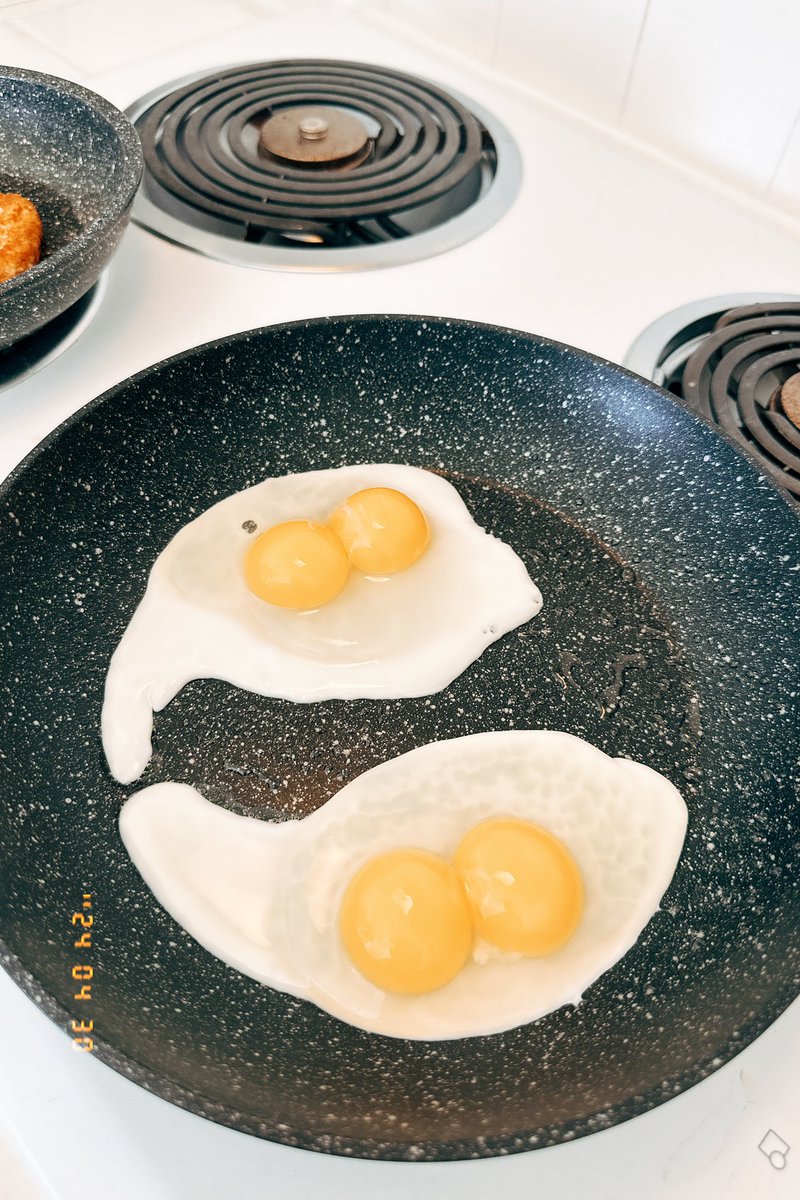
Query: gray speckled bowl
[[670, 633], [80, 161]]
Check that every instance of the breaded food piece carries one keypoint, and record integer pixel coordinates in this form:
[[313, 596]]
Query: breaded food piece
[[20, 235]]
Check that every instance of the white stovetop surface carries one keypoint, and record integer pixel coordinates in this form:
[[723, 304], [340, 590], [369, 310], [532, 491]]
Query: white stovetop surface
[[602, 239]]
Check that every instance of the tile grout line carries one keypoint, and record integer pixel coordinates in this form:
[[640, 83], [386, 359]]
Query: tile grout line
[[632, 70], [771, 181], [495, 38], [83, 73], [719, 185]]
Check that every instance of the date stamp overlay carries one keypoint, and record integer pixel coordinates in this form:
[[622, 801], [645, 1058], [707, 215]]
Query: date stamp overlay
[[772, 1145], [82, 971]]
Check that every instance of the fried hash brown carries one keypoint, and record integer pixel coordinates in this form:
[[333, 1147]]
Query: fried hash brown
[[20, 235]]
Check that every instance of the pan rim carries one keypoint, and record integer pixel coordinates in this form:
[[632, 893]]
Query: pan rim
[[434, 1151], [118, 201], [437, 1150], [760, 478]]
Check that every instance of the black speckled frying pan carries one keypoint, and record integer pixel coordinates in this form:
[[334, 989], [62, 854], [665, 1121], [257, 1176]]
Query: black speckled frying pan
[[670, 571]]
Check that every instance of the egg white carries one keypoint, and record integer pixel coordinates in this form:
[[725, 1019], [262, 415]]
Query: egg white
[[409, 634], [265, 897]]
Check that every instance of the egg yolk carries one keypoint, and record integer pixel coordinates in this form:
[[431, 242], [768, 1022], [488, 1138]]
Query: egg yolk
[[299, 564], [523, 886], [383, 530], [405, 922]]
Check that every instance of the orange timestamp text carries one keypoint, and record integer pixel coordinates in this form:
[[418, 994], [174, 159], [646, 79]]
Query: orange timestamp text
[[83, 974]]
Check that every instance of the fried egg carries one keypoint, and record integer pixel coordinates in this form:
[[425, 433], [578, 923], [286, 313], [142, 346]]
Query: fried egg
[[271, 899], [383, 636]]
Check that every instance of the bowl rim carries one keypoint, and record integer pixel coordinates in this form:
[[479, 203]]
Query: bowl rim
[[119, 201]]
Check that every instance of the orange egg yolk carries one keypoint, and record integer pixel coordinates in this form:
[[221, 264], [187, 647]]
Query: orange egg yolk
[[383, 530], [405, 922], [299, 564], [523, 886]]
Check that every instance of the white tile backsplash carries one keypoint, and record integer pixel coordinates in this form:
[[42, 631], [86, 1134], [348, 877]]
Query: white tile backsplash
[[711, 83], [716, 82], [20, 49], [105, 33], [468, 27], [579, 52]]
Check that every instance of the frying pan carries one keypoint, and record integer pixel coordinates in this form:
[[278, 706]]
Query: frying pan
[[670, 633], [79, 159]]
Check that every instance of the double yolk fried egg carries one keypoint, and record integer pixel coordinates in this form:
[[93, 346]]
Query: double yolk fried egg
[[404, 905], [464, 888], [220, 604]]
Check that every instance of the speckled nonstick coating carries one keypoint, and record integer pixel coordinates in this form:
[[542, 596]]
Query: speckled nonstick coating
[[79, 160], [670, 632]]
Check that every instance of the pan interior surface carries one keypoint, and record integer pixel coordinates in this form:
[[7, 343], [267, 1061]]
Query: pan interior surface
[[669, 634]]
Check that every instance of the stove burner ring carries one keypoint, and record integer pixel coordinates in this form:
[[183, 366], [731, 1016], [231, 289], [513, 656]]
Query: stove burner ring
[[786, 399], [745, 377], [315, 137], [217, 152]]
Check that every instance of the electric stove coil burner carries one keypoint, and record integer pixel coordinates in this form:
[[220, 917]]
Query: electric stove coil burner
[[739, 369], [737, 379], [201, 146], [317, 155]]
